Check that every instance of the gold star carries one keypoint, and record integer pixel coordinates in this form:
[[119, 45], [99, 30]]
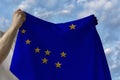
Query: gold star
[[28, 41], [58, 65], [23, 31], [63, 54], [72, 26], [44, 61], [47, 52], [37, 50]]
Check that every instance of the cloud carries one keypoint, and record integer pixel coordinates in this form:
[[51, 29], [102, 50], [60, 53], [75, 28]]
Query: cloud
[[81, 1], [108, 5], [43, 13], [26, 4], [47, 11], [108, 50], [113, 57], [4, 22], [67, 9]]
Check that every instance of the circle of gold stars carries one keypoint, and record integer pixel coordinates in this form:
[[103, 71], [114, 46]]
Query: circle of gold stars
[[47, 52]]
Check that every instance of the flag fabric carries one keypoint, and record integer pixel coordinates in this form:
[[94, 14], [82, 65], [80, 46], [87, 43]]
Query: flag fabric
[[62, 51]]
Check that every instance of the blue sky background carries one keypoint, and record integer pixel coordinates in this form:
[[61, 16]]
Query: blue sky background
[[59, 11]]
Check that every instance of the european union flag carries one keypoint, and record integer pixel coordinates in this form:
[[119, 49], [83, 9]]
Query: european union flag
[[63, 51]]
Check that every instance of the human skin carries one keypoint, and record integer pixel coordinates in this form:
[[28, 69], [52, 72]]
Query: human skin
[[7, 39]]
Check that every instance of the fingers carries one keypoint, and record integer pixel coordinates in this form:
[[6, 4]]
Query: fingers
[[21, 13], [19, 10]]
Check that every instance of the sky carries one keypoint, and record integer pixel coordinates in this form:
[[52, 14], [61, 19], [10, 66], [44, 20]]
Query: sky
[[60, 11]]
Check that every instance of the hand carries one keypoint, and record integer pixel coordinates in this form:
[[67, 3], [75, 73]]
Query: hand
[[18, 18]]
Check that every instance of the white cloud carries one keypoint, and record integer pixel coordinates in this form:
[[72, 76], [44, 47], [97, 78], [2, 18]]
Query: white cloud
[[45, 13], [42, 13], [26, 4], [108, 5], [4, 23], [47, 9], [113, 66], [108, 50], [95, 4], [114, 53], [70, 6], [81, 1], [101, 8], [50, 3], [85, 13], [67, 9]]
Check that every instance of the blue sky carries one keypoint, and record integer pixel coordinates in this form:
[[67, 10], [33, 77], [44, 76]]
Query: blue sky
[[59, 11]]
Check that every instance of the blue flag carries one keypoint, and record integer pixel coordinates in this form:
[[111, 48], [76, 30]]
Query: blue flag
[[63, 51]]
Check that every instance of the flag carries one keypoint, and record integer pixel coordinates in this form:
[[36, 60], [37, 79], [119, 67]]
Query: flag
[[59, 51]]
